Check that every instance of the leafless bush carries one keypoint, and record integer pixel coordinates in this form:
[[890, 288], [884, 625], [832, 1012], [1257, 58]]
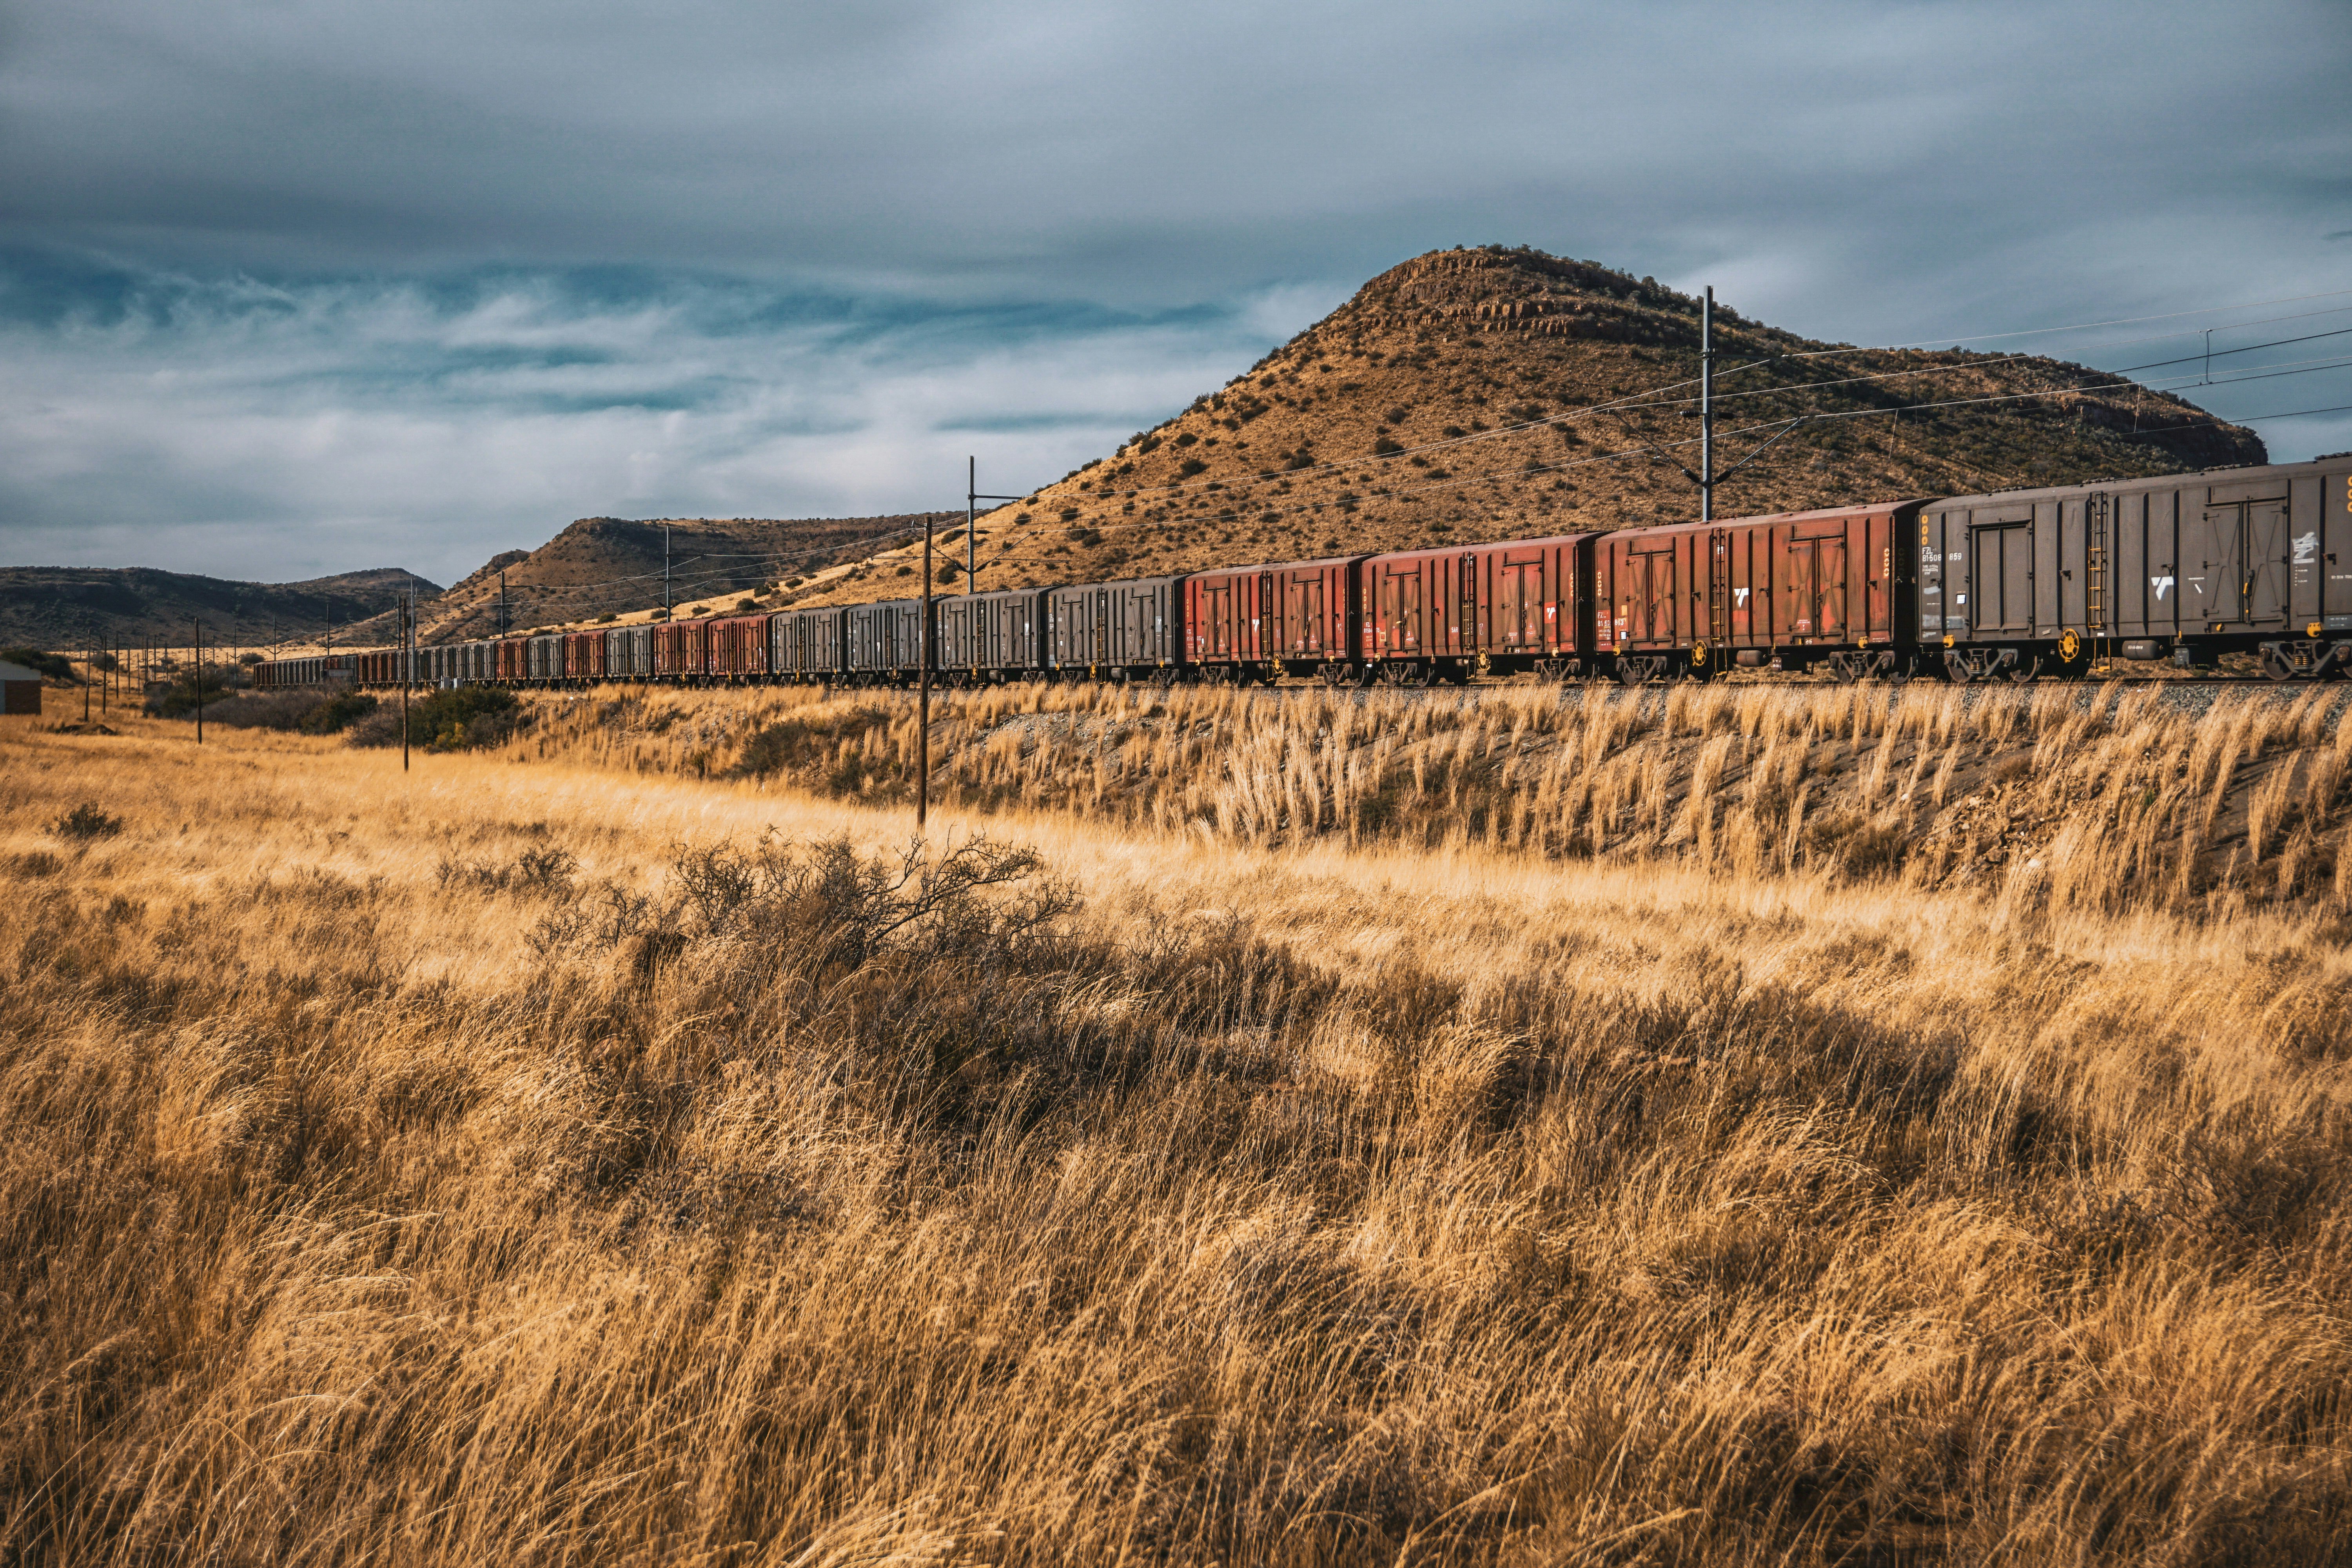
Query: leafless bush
[[544, 872], [86, 823]]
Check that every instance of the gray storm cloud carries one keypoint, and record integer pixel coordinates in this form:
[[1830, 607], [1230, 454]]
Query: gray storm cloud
[[293, 287]]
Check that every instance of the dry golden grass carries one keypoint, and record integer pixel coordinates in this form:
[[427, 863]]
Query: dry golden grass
[[2059, 799], [384, 1185]]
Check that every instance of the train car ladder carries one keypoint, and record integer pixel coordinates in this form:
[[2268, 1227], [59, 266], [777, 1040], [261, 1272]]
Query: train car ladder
[[2097, 622], [1718, 588]]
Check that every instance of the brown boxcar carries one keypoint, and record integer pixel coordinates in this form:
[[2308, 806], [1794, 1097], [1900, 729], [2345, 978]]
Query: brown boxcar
[[1835, 587], [1512, 607], [1257, 623], [739, 647], [2189, 567], [584, 655], [682, 650]]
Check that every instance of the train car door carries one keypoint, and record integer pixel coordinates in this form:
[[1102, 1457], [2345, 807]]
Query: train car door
[[1400, 608], [1519, 602], [2217, 590], [1817, 572], [1653, 594], [1217, 615], [2000, 578], [2270, 553]]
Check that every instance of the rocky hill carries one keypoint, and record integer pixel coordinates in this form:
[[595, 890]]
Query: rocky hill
[[67, 608], [610, 568], [1492, 393]]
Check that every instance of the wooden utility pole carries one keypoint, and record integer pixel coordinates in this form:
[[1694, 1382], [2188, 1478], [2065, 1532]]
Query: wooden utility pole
[[923, 693], [199, 625], [407, 673]]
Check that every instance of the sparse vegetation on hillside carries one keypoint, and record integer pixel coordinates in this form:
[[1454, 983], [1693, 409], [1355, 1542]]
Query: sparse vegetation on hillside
[[536, 1164]]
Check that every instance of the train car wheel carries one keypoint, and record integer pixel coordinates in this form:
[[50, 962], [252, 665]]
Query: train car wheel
[[2274, 665], [1958, 669], [2026, 670]]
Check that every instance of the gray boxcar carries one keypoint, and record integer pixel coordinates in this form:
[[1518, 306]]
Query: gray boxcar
[[805, 645], [985, 636], [882, 642], [1133, 627], [2188, 566]]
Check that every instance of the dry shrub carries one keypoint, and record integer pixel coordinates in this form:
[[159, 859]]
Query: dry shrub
[[85, 823]]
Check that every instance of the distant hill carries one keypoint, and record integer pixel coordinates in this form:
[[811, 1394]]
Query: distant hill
[[1465, 395], [67, 606], [611, 566]]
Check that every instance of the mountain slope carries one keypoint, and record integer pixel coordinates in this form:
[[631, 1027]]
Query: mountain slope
[[1493, 394], [610, 566], [69, 607]]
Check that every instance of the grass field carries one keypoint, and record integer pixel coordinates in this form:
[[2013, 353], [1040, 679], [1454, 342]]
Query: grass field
[[1505, 1134]]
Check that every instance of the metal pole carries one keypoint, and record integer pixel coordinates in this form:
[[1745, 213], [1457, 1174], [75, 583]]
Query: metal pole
[[971, 516], [199, 625], [1706, 409], [923, 694]]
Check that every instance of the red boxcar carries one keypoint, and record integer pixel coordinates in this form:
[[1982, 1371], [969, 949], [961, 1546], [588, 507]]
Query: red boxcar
[[1789, 590], [1512, 607], [682, 650], [1254, 622], [739, 647], [584, 655]]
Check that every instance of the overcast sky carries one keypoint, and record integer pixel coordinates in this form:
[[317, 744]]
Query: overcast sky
[[290, 286]]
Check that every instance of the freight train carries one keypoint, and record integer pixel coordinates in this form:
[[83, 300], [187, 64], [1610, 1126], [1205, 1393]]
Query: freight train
[[2012, 584]]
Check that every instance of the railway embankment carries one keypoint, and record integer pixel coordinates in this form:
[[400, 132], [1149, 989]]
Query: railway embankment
[[2110, 797]]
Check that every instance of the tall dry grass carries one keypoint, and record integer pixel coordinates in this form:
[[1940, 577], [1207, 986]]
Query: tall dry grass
[[551, 1165], [2062, 799]]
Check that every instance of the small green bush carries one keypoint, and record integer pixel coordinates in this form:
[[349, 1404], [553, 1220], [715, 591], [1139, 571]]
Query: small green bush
[[57, 667], [464, 719], [337, 713], [180, 700]]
